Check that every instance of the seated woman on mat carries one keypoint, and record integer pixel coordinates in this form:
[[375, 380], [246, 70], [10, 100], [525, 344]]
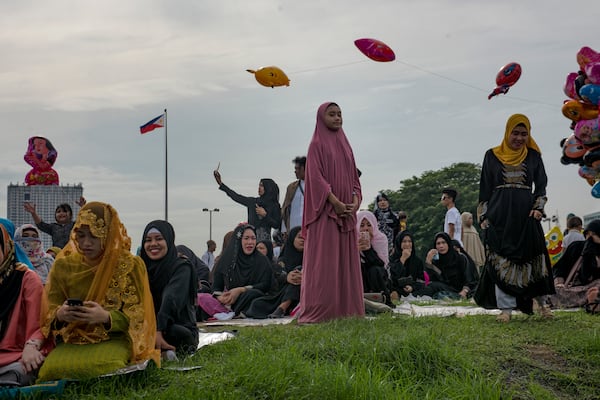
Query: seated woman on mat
[[407, 270], [283, 301], [243, 273], [98, 301], [374, 256], [23, 348], [578, 270], [451, 273], [174, 287]]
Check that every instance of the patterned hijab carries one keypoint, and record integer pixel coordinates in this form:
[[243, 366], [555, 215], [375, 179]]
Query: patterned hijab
[[19, 252], [10, 280], [504, 153], [117, 270], [31, 245]]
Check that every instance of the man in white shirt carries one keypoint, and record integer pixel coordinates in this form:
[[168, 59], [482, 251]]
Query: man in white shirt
[[453, 220], [293, 203], [574, 228], [209, 256]]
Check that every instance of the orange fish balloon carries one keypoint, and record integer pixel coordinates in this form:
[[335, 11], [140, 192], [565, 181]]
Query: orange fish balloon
[[270, 76]]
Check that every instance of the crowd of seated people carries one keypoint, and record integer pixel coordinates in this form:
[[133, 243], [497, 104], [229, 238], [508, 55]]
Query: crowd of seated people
[[91, 324]]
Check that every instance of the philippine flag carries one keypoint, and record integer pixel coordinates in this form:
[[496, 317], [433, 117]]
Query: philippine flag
[[158, 122]]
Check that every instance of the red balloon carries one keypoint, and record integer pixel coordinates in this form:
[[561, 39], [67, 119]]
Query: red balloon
[[375, 49], [509, 74], [506, 77]]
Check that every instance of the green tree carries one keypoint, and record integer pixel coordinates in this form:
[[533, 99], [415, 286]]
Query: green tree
[[420, 197]]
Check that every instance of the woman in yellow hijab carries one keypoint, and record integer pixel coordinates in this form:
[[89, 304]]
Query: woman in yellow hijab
[[512, 195], [114, 324]]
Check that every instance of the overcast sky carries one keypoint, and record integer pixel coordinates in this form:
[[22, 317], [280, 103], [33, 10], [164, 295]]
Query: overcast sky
[[87, 74]]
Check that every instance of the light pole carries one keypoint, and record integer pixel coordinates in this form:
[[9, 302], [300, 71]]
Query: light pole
[[210, 220], [553, 218]]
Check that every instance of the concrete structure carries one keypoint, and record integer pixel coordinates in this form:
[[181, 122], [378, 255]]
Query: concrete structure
[[45, 198], [590, 217]]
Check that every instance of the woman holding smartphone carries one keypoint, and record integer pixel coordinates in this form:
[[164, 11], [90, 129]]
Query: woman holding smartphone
[[114, 324]]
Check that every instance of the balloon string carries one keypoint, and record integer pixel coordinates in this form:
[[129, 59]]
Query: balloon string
[[554, 106], [330, 67]]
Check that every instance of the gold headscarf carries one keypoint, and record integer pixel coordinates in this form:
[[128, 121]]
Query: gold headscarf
[[119, 282], [505, 154]]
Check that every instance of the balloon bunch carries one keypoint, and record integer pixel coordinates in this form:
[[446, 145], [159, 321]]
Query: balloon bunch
[[582, 147]]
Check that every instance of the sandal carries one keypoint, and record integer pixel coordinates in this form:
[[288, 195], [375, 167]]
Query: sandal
[[503, 317], [546, 313]]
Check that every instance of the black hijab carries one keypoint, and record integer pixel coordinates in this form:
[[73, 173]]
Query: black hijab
[[238, 269], [589, 267], [271, 193], [454, 266], [450, 257], [413, 266], [269, 245], [161, 271], [291, 256]]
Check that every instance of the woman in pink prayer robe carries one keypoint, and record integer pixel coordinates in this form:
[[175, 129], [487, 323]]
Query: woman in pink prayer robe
[[331, 275]]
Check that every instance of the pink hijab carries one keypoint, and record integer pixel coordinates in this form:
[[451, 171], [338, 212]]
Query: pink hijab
[[330, 167], [379, 241]]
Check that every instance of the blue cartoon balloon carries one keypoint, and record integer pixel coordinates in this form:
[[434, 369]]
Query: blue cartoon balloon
[[590, 93]]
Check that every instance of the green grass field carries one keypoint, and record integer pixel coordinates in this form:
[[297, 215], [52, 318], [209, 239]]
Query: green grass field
[[387, 357]]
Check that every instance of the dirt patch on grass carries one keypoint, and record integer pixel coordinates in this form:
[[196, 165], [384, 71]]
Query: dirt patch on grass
[[544, 357]]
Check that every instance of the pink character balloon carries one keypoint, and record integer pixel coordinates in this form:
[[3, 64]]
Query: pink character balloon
[[587, 131], [569, 87], [592, 70], [585, 56], [41, 155]]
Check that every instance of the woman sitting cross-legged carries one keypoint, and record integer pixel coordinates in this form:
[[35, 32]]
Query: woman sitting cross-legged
[[452, 275], [98, 303], [243, 273], [407, 269], [174, 287], [287, 295], [578, 269]]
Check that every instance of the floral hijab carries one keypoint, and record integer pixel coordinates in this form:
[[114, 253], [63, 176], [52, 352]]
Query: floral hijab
[[31, 245]]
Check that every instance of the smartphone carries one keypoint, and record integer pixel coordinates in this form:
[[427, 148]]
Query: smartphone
[[74, 302]]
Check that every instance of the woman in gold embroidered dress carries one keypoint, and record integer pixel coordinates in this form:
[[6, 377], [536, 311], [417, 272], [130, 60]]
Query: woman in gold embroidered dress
[[115, 326]]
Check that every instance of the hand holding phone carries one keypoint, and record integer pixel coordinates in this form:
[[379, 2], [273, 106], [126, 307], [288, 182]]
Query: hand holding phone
[[74, 302]]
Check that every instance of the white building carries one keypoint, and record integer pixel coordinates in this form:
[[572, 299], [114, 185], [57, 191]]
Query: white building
[[46, 198]]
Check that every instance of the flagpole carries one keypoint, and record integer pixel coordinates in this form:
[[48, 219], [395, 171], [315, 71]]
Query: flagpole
[[166, 172]]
